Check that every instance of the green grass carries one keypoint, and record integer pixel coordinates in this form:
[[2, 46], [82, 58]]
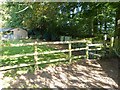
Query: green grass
[[24, 50], [17, 50]]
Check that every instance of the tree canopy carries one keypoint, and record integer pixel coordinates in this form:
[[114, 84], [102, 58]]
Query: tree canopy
[[74, 19]]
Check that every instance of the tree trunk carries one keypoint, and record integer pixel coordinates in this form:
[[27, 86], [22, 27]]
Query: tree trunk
[[105, 26], [95, 27], [91, 33], [100, 31]]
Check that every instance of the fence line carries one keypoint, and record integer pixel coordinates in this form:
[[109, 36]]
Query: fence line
[[42, 62], [46, 52], [36, 53], [46, 43]]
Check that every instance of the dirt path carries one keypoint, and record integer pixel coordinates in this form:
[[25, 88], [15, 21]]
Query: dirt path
[[96, 74]]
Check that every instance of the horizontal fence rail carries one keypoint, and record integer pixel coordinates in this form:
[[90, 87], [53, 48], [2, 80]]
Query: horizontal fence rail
[[47, 52], [46, 43], [36, 53]]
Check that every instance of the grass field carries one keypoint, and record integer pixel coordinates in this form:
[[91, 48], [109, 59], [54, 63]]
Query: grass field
[[24, 50]]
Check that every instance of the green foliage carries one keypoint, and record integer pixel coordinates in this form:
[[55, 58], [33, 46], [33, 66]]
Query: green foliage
[[71, 19]]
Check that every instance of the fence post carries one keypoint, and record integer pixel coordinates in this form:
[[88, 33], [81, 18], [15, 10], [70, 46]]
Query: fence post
[[1, 43], [87, 51], [111, 45], [105, 44], [70, 52], [35, 56], [112, 41]]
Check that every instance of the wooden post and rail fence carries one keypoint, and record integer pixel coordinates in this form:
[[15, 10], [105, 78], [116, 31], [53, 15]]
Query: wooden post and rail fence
[[36, 53]]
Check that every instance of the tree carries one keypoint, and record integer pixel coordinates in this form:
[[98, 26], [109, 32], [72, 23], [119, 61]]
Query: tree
[[74, 19]]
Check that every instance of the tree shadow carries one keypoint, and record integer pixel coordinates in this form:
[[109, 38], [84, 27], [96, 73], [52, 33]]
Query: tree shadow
[[75, 76], [111, 67]]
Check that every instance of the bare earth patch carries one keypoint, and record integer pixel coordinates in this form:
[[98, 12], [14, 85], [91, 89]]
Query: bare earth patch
[[95, 74]]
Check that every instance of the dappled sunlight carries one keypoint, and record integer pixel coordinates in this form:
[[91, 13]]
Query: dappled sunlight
[[21, 72], [76, 75], [41, 48], [79, 74]]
